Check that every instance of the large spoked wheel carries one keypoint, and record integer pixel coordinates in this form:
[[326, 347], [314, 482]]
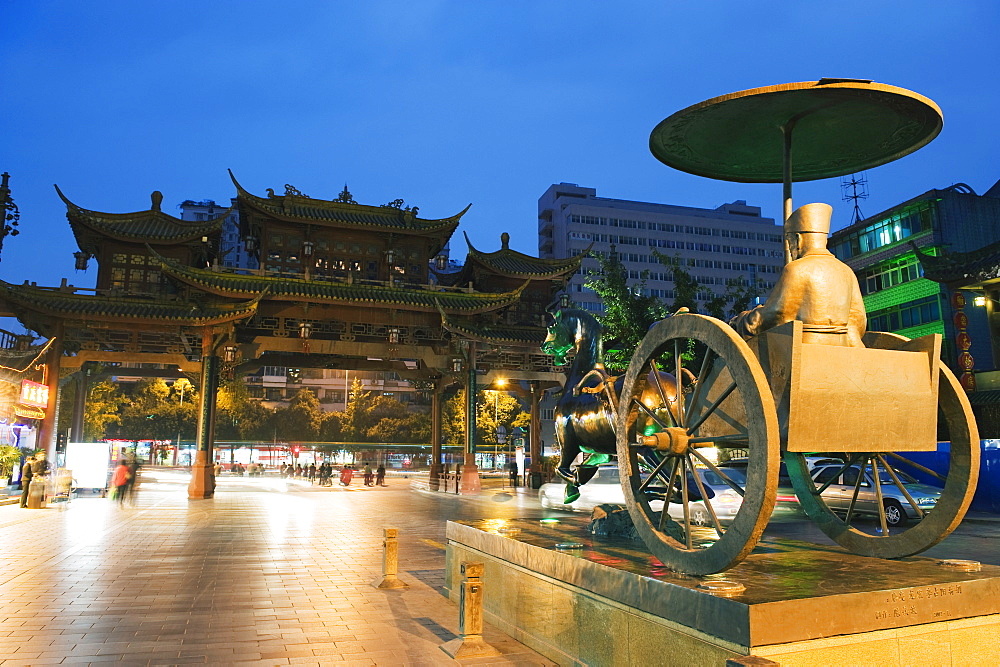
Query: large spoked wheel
[[664, 436], [880, 513]]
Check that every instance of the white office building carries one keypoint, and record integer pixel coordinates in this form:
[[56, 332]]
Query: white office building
[[731, 242]]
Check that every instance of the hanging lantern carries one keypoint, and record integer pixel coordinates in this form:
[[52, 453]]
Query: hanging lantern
[[393, 335], [305, 330], [456, 365], [229, 353], [441, 262], [81, 260], [390, 256], [250, 243], [307, 249], [564, 300]]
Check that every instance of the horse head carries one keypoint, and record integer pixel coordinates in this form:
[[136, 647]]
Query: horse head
[[574, 330], [561, 339]]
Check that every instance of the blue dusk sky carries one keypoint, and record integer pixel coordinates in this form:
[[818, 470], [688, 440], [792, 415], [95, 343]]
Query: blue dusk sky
[[443, 103]]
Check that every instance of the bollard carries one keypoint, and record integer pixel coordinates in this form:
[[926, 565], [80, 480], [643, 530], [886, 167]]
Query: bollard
[[470, 642], [390, 558]]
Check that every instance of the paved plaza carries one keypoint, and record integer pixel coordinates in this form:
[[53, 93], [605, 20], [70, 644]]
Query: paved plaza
[[268, 572]]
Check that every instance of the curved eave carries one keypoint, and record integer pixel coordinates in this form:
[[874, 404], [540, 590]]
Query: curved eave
[[505, 262], [511, 336], [140, 227], [290, 289], [957, 270], [292, 208], [90, 308]]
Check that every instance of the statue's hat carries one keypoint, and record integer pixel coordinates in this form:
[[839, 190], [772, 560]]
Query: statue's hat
[[810, 218]]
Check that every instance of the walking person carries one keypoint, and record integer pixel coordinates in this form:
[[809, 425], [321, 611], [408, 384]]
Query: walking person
[[512, 468], [345, 475], [26, 475], [380, 475], [369, 481], [119, 482]]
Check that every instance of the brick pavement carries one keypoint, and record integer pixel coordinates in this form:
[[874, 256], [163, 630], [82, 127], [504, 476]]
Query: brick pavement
[[265, 573]]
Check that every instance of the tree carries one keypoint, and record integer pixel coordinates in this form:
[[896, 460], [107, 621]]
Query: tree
[[495, 408], [302, 418], [237, 416], [101, 411], [629, 310], [453, 419]]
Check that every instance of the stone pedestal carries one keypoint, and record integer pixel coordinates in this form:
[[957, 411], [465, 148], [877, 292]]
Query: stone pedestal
[[470, 483], [202, 483], [608, 601]]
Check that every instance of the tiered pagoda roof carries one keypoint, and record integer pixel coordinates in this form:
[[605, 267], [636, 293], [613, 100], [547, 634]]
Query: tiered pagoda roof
[[509, 263], [153, 226], [495, 334], [962, 269], [67, 304], [315, 291], [295, 207]]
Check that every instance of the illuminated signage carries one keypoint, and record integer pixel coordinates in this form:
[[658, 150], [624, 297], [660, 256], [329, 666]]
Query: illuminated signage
[[34, 393], [28, 412]]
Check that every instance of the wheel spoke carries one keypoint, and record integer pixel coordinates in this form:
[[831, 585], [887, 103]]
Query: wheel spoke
[[879, 499], [699, 383], [857, 489], [705, 499], [685, 499], [712, 408], [656, 471], [725, 478], [679, 382], [670, 492], [735, 437], [660, 390], [650, 414], [916, 465], [899, 485], [840, 472]]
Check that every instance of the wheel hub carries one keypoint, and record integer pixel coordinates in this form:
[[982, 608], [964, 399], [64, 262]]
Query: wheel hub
[[673, 440]]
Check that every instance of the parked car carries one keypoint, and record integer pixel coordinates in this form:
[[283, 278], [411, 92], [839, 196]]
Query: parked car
[[897, 508], [605, 487], [787, 503]]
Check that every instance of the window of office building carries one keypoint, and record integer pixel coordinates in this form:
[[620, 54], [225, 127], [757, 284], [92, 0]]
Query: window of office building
[[912, 220], [905, 315]]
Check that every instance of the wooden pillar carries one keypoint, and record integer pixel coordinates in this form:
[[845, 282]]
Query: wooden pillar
[[47, 433], [535, 436], [435, 470], [470, 471], [80, 402], [203, 469]]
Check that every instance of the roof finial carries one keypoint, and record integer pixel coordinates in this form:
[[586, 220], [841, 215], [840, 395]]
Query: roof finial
[[504, 241], [157, 199], [345, 196]]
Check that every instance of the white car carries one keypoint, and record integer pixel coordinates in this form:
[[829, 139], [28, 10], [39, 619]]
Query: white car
[[605, 488]]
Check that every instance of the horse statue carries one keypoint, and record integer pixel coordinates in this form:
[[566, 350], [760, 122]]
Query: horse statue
[[585, 411]]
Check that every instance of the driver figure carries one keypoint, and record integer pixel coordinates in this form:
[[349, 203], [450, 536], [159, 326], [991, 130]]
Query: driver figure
[[815, 288]]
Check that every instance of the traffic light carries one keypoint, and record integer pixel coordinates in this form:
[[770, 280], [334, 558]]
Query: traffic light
[[61, 440]]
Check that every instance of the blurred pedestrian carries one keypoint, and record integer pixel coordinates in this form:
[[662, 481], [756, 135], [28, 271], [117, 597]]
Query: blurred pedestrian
[[119, 480], [512, 469], [26, 475], [132, 480], [369, 477], [380, 475], [345, 475], [312, 472]]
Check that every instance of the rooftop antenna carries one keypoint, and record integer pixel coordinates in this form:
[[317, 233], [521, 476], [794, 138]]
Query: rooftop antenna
[[855, 187]]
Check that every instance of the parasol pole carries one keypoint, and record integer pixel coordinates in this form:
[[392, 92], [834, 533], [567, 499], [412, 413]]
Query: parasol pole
[[786, 177]]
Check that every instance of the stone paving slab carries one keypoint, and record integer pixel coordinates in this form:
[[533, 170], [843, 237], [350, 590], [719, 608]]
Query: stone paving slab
[[267, 572]]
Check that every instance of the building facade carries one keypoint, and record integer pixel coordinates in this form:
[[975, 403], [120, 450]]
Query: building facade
[[889, 252], [718, 246]]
